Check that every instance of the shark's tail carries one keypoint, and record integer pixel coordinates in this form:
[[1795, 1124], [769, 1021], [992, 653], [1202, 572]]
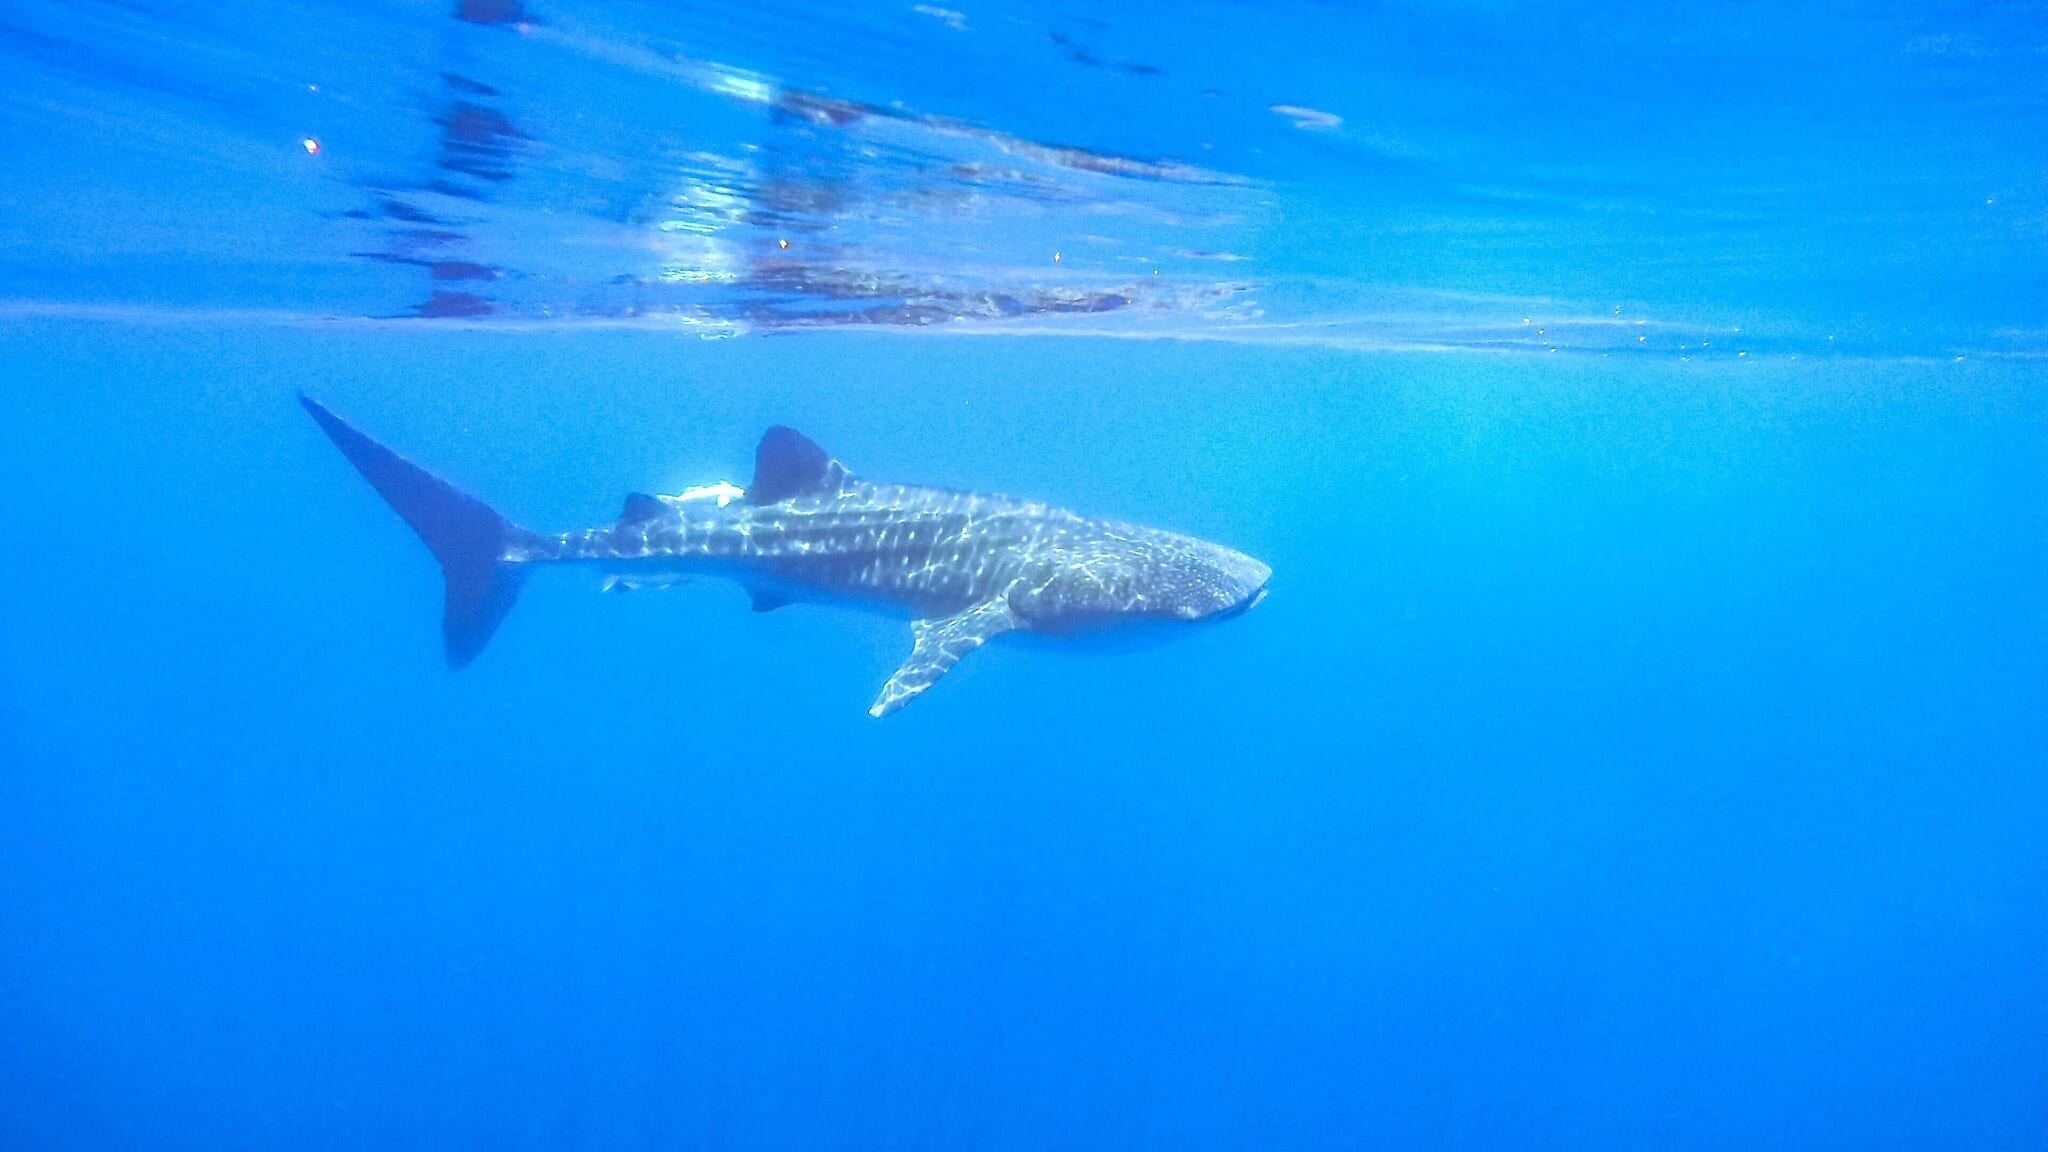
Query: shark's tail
[[466, 536]]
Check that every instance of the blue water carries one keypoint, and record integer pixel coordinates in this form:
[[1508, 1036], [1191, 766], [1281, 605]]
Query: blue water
[[1642, 744]]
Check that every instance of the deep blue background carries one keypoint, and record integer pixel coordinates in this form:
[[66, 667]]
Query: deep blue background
[[1635, 751], [1623, 758]]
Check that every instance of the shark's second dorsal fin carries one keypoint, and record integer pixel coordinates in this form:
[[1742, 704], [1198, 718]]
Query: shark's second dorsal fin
[[788, 463], [640, 506]]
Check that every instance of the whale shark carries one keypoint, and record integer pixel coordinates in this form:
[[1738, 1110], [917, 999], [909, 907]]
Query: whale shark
[[965, 567]]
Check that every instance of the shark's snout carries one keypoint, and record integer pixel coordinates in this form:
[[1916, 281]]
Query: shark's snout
[[1235, 583]]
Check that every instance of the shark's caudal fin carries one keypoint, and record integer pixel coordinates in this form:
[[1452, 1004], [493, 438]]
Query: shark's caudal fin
[[465, 535]]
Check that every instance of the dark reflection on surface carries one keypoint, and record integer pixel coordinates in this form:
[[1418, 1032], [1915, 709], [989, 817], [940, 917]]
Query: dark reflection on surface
[[796, 208], [770, 164]]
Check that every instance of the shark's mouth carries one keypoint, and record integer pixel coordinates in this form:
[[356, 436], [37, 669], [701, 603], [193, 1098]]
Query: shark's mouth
[[1241, 607]]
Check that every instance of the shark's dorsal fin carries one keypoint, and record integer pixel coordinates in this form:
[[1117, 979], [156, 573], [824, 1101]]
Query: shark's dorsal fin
[[788, 463], [940, 645], [640, 506]]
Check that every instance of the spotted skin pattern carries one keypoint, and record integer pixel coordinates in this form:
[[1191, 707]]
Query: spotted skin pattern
[[968, 566]]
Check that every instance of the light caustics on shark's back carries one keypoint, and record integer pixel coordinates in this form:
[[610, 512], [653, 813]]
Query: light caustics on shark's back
[[966, 566]]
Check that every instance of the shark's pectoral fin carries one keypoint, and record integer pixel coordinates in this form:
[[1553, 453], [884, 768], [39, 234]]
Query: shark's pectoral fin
[[940, 645]]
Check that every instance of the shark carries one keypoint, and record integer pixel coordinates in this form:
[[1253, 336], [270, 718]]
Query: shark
[[964, 567]]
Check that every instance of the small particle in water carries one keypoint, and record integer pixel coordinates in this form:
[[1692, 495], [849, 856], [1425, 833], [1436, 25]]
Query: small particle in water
[[1525, 319], [1617, 309], [311, 146], [1959, 359], [312, 87], [1640, 339], [1539, 331], [1991, 200], [1742, 353], [957, 21], [1155, 271], [782, 244], [1055, 257]]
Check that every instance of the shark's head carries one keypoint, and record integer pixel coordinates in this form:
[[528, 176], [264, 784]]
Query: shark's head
[[1198, 580], [1129, 574]]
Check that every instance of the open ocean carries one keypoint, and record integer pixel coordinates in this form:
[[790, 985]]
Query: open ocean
[[1644, 743]]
